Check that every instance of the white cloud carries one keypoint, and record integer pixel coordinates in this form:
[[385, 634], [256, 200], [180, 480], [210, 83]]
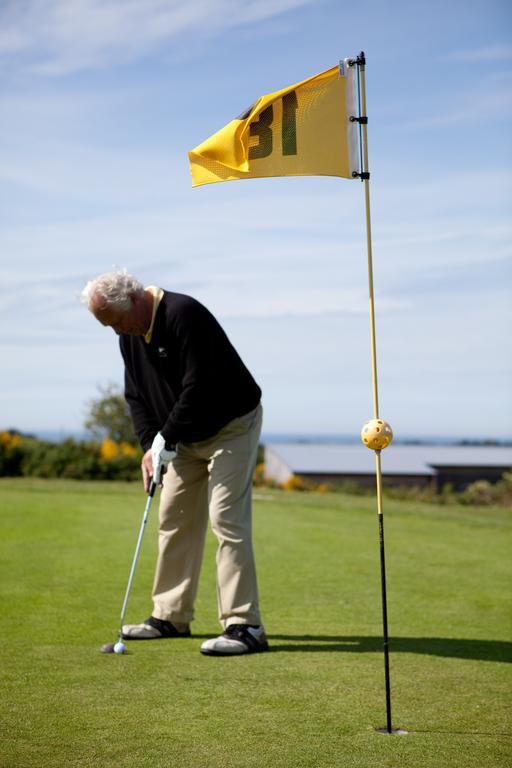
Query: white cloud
[[282, 254], [486, 98], [497, 52], [63, 36], [107, 176]]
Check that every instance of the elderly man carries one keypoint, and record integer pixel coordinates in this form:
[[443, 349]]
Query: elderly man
[[195, 409]]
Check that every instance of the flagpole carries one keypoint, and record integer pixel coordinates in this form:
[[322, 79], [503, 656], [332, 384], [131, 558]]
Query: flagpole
[[376, 434]]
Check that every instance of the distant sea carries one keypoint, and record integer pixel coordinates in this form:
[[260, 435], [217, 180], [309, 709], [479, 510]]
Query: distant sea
[[305, 438], [323, 439], [58, 435]]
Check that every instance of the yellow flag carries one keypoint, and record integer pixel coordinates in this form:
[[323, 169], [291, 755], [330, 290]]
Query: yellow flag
[[302, 130]]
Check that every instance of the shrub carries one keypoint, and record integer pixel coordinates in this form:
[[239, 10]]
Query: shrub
[[483, 493], [110, 450], [294, 483], [79, 460], [297, 483], [11, 453], [258, 477]]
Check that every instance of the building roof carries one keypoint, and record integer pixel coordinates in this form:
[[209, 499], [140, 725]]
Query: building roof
[[315, 458]]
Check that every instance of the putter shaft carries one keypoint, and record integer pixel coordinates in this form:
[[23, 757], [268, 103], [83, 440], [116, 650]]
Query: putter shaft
[[151, 493]]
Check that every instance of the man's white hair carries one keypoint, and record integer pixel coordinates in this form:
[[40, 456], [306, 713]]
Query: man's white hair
[[114, 288]]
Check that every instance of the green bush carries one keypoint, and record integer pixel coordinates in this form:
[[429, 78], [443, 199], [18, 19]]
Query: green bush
[[11, 454], [122, 468], [483, 493], [24, 455], [71, 459], [78, 460]]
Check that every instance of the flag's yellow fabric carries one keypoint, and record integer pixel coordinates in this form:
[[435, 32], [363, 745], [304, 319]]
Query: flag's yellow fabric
[[302, 130]]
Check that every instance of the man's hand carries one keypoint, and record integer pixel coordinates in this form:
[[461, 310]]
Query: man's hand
[[155, 461], [147, 470]]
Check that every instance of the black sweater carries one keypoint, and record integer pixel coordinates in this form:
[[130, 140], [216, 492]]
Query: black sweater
[[189, 381]]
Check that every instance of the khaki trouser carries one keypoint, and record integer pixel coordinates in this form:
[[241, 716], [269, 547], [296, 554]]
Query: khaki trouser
[[212, 476]]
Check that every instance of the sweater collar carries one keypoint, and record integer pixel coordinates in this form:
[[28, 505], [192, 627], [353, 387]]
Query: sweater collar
[[157, 294]]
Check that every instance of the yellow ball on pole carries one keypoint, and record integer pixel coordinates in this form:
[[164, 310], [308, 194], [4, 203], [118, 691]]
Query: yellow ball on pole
[[376, 434]]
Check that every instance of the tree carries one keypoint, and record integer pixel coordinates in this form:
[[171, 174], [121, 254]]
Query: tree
[[109, 416]]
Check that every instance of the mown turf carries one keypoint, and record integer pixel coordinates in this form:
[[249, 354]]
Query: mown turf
[[315, 700]]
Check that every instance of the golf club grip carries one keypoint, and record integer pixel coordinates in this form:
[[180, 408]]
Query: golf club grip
[[152, 489]]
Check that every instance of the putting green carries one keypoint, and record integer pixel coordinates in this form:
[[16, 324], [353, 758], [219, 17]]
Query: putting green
[[316, 698]]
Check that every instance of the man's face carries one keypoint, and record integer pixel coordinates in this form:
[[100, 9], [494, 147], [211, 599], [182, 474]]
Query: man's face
[[133, 321]]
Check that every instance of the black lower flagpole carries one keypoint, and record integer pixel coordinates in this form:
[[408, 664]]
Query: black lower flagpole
[[385, 636]]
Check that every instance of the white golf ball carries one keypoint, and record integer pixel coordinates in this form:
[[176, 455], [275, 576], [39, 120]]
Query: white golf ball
[[119, 648]]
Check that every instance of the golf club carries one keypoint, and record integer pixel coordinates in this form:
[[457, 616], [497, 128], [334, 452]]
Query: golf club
[[119, 646]]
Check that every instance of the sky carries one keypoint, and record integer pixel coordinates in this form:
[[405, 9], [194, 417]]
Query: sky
[[100, 101]]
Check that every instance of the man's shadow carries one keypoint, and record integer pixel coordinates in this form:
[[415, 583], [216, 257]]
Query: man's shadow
[[450, 647]]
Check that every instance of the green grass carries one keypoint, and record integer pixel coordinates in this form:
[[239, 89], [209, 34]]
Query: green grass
[[315, 700]]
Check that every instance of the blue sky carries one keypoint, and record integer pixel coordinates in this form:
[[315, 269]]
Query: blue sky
[[100, 102]]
